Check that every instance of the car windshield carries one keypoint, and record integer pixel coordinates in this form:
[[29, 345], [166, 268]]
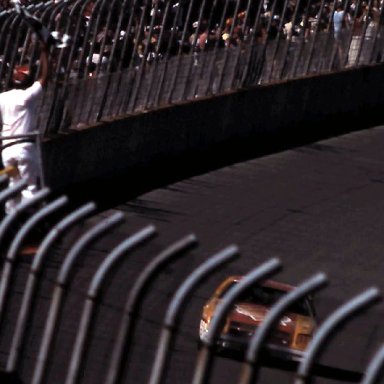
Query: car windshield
[[267, 296]]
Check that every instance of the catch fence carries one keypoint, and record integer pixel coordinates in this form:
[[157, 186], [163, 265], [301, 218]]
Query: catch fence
[[131, 56], [35, 306]]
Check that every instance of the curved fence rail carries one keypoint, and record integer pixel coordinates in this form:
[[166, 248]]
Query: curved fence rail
[[61, 290], [130, 56]]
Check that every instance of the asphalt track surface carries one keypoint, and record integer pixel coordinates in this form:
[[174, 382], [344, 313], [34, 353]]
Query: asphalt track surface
[[319, 207]]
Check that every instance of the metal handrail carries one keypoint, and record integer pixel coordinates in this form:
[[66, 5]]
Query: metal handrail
[[93, 293], [6, 273], [61, 288], [11, 218], [374, 370], [343, 314], [120, 354], [11, 191], [25, 308], [258, 340], [176, 305]]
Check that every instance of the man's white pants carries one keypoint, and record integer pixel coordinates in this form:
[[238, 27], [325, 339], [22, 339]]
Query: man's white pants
[[25, 160]]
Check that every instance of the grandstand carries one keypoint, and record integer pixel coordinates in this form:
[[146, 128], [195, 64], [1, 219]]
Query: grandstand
[[133, 56]]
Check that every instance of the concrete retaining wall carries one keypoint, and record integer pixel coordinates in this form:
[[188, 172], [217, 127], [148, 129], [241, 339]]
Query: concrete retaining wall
[[249, 121]]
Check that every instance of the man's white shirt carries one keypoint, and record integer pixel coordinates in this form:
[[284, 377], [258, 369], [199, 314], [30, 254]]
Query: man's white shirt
[[18, 109]]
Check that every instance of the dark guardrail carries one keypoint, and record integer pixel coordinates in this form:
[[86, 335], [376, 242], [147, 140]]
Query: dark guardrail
[[130, 56]]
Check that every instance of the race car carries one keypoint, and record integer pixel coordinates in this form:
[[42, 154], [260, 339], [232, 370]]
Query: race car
[[289, 338]]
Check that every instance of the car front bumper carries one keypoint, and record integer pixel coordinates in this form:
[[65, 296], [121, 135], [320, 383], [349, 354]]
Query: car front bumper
[[235, 347]]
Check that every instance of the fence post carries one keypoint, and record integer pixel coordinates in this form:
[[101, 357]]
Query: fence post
[[28, 297], [93, 294], [375, 368], [53, 235], [204, 363], [120, 354], [12, 191], [307, 66], [173, 313], [9, 219], [346, 312], [251, 366], [12, 255]]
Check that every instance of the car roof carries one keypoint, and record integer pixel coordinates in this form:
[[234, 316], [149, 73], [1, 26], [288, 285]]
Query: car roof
[[266, 283]]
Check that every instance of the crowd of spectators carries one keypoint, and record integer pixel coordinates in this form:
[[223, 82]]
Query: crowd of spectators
[[151, 29], [7, 4], [114, 35], [169, 27]]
